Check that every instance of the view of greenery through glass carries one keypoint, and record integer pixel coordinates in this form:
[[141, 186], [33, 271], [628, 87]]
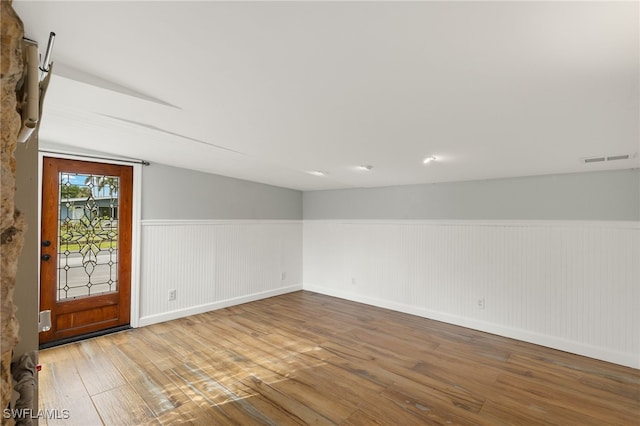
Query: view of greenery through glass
[[88, 235]]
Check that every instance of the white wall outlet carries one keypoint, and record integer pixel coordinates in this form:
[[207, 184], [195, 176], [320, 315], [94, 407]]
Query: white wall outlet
[[283, 276], [172, 294], [481, 303], [353, 281]]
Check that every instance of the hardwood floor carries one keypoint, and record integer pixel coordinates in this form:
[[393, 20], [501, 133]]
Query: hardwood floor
[[305, 358]]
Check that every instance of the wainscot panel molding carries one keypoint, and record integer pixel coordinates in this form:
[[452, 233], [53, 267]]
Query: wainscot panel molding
[[573, 286], [212, 264]]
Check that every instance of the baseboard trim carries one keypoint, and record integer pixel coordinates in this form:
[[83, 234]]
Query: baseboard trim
[[628, 360], [206, 307]]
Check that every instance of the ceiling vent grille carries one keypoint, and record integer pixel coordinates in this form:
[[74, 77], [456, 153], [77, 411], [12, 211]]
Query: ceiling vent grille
[[618, 157], [606, 158], [594, 160]]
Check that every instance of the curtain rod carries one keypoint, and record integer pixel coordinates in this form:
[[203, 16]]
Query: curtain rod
[[124, 160]]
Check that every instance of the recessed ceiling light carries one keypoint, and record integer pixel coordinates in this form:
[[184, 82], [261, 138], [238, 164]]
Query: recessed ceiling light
[[365, 168], [318, 173], [429, 160]]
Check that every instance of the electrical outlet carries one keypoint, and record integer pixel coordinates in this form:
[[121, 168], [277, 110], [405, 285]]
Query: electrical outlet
[[172, 295], [481, 303], [283, 276], [353, 281]]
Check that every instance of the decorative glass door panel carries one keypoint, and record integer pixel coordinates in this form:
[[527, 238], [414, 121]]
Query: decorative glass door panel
[[87, 235], [85, 278]]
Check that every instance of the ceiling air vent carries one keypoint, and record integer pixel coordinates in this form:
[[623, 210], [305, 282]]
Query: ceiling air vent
[[607, 158], [594, 160], [618, 157]]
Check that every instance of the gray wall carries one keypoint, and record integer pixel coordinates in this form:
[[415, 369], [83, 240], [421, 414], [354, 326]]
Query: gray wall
[[174, 193], [608, 195], [27, 284]]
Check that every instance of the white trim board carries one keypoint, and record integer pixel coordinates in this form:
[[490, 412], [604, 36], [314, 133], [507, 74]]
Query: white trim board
[[624, 224], [179, 222], [206, 307]]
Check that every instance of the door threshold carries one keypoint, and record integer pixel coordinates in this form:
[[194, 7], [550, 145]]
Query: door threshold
[[73, 339]]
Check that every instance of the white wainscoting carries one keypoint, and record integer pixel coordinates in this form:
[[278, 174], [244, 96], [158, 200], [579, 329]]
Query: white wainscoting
[[573, 286], [215, 263]]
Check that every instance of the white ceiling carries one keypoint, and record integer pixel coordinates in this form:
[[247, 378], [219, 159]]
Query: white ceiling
[[267, 91]]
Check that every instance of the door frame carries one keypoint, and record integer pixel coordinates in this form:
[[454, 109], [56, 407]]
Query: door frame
[[136, 224]]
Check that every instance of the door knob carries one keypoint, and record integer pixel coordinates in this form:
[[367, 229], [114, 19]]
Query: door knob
[[46, 257], [46, 243]]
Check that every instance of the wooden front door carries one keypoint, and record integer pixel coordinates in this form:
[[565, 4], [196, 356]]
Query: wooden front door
[[86, 246]]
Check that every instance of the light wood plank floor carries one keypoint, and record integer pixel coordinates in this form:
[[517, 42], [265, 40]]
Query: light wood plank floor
[[305, 358]]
